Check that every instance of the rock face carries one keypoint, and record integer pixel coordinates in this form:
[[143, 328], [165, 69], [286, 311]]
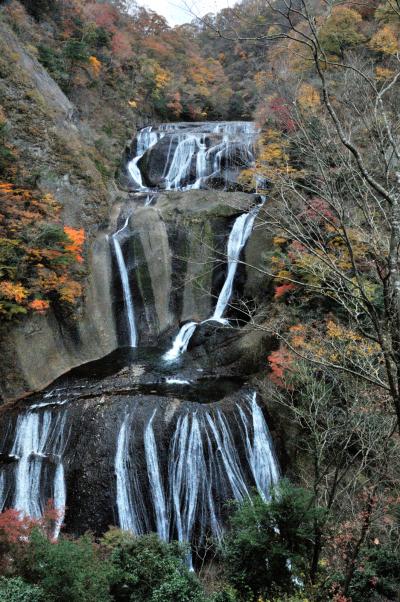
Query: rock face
[[176, 254], [39, 349], [54, 150], [114, 429], [175, 250]]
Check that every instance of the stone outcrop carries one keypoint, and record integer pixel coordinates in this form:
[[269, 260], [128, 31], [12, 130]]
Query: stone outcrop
[[176, 249]]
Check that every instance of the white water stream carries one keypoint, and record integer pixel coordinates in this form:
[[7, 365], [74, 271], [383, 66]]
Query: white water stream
[[126, 289], [205, 468]]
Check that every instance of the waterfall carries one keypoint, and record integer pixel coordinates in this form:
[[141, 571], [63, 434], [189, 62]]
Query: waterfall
[[238, 237], [181, 341], [126, 289], [156, 485], [212, 457], [3, 491], [39, 436], [200, 150], [186, 467], [179, 170], [260, 451], [129, 498], [145, 139], [228, 456], [59, 497]]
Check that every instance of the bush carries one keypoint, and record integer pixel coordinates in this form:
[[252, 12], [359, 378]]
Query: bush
[[40, 8], [378, 574], [16, 590], [269, 544], [67, 571], [150, 570]]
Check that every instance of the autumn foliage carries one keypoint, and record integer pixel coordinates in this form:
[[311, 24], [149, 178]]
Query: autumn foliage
[[37, 255]]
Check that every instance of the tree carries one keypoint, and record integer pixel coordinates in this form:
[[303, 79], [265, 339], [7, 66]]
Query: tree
[[344, 252], [268, 542]]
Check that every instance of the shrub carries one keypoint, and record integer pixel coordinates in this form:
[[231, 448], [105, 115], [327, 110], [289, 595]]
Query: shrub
[[150, 570], [16, 590], [68, 570], [268, 545]]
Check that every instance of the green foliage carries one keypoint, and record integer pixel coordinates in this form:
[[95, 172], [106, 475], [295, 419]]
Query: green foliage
[[76, 51], [69, 570], [6, 156], [378, 573], [54, 63], [266, 538], [150, 570], [341, 30], [40, 8], [51, 236], [14, 589]]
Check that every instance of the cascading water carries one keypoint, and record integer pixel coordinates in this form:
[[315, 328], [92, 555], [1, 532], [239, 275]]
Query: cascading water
[[126, 289], [238, 237], [156, 485], [3, 492], [205, 468], [129, 498], [176, 464], [145, 140], [181, 341], [39, 438], [197, 152], [260, 451]]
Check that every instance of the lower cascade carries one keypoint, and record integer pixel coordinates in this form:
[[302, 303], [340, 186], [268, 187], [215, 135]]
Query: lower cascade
[[212, 457], [40, 439]]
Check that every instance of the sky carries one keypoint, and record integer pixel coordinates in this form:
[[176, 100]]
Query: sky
[[178, 11]]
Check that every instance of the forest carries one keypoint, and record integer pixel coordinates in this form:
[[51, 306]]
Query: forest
[[321, 82]]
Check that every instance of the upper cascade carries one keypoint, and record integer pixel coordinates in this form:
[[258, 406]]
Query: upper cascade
[[187, 156]]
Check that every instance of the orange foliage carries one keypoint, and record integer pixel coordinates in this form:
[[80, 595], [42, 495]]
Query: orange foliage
[[38, 255], [39, 305], [283, 289], [77, 238], [95, 65], [13, 291], [280, 362]]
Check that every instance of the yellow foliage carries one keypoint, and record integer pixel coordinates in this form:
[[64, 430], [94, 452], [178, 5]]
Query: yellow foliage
[[279, 240], [308, 97], [161, 78], [383, 73], [133, 104], [13, 291], [261, 78], [70, 291], [385, 40]]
